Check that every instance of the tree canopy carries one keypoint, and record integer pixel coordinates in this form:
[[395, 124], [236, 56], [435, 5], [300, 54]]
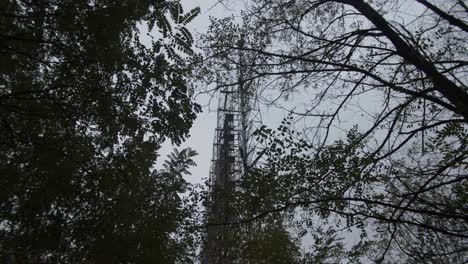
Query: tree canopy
[[86, 100], [375, 142]]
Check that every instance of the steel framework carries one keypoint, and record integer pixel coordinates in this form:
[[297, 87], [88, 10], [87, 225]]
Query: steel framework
[[233, 149]]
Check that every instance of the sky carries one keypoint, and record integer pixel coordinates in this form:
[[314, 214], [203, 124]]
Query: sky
[[202, 131]]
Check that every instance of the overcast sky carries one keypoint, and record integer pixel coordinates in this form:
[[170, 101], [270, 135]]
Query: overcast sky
[[202, 132]]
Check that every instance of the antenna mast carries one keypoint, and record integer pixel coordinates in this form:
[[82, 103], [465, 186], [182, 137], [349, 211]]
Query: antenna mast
[[232, 151]]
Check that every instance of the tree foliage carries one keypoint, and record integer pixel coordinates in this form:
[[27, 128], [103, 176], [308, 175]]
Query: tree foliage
[[271, 245], [85, 102], [380, 88]]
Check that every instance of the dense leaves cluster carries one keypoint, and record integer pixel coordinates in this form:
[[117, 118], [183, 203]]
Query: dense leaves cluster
[[342, 191], [85, 102]]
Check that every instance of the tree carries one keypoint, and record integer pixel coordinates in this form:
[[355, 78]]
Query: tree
[[271, 245], [264, 240], [85, 103], [395, 68]]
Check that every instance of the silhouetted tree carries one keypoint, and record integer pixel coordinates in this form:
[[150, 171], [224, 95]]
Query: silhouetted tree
[[86, 100]]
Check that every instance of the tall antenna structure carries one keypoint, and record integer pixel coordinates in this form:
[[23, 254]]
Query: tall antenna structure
[[233, 148]]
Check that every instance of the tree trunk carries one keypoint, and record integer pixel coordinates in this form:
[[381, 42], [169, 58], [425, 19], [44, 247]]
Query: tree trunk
[[453, 93]]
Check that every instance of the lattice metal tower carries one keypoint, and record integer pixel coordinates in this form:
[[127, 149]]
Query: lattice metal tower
[[237, 117]]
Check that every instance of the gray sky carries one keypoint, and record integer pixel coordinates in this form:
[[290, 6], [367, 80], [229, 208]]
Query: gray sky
[[202, 132]]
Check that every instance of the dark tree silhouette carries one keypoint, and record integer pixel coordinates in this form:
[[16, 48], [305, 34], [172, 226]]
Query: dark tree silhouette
[[85, 103]]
